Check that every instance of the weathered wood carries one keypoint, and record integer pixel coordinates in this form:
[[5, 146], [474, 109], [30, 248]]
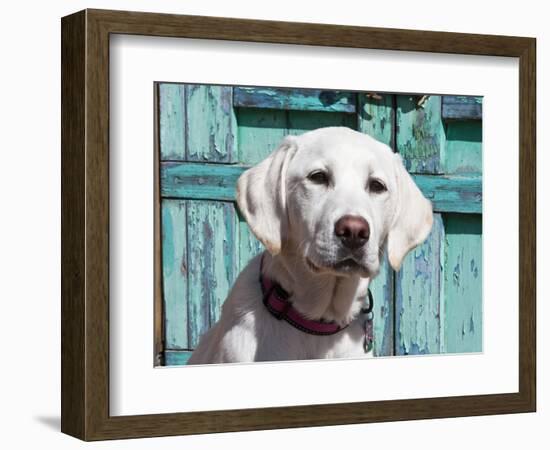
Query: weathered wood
[[172, 117], [463, 147], [418, 297], [217, 182], [210, 123], [420, 135], [377, 117], [527, 225], [174, 270], [463, 322], [295, 99], [461, 107], [159, 318], [212, 257], [260, 131], [452, 193], [199, 181], [177, 357]]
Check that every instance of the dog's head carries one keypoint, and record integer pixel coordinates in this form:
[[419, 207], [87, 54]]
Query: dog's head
[[334, 197]]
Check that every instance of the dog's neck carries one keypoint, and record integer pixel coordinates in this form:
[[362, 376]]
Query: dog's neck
[[317, 296]]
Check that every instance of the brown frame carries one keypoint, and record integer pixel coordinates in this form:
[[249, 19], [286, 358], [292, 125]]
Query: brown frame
[[85, 224]]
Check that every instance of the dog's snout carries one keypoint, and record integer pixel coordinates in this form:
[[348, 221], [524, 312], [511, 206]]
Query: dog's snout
[[353, 231]]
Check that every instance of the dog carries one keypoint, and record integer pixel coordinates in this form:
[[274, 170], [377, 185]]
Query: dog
[[325, 204]]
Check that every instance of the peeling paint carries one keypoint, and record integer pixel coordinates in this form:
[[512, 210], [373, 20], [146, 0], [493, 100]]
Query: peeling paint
[[456, 274], [420, 134], [172, 120], [210, 124], [418, 319], [473, 268], [174, 257], [463, 302], [295, 99]]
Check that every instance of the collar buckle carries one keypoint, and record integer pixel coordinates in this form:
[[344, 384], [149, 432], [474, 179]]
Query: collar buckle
[[370, 304]]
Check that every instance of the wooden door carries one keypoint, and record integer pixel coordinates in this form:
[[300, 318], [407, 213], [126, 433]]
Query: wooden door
[[208, 135]]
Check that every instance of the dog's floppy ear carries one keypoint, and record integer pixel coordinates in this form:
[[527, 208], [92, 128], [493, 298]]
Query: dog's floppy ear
[[261, 195], [413, 217]]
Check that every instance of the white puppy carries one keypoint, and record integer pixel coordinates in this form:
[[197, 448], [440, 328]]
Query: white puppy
[[325, 204]]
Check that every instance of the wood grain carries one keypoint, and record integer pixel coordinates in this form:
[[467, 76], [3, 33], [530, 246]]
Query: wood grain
[[208, 181], [462, 303], [175, 273], [212, 262], [463, 147], [210, 123], [205, 27], [420, 134], [527, 225], [73, 227], [173, 115], [85, 253], [177, 357], [418, 297], [199, 181], [377, 117], [159, 310], [295, 99]]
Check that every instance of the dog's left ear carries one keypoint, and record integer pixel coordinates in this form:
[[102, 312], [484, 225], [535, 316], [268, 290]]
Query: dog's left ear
[[261, 195], [413, 217]]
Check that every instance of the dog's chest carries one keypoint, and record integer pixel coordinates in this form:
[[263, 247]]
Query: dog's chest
[[280, 341]]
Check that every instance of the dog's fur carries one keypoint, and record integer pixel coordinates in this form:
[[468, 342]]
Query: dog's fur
[[293, 213]]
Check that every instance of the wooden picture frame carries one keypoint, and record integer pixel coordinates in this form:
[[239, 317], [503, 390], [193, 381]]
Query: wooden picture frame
[[85, 224]]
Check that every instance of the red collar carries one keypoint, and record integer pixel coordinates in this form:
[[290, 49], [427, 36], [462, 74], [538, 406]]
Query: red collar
[[277, 302]]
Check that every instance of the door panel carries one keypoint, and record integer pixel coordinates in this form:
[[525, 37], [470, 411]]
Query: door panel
[[174, 272], [418, 296], [212, 258], [463, 147], [463, 303], [260, 132], [210, 127], [463, 274], [420, 133], [172, 118], [376, 117]]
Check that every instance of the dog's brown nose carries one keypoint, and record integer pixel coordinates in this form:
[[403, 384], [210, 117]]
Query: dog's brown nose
[[353, 231]]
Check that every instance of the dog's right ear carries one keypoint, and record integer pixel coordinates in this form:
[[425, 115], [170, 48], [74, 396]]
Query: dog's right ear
[[261, 195], [413, 217]]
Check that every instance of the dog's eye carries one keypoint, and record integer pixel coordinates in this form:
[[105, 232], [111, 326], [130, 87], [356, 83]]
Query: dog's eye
[[318, 177], [376, 186]]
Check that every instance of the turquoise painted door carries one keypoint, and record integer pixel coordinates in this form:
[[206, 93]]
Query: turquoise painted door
[[208, 135]]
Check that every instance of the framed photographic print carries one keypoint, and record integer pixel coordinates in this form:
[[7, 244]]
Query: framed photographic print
[[271, 224], [206, 242]]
